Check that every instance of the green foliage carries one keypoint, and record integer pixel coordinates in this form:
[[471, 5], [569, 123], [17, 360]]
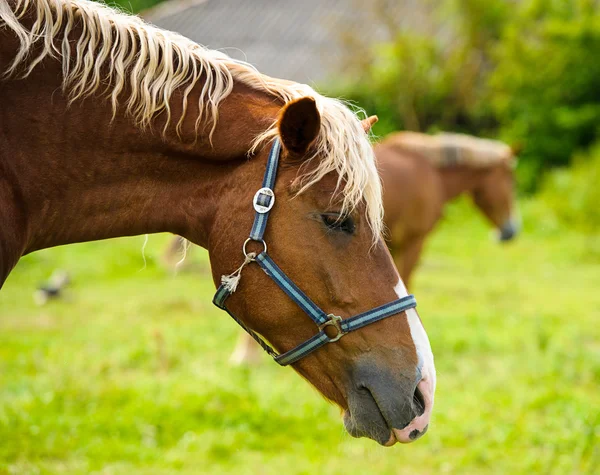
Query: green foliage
[[406, 63], [129, 373], [132, 6], [527, 73], [574, 193], [432, 77], [546, 87]]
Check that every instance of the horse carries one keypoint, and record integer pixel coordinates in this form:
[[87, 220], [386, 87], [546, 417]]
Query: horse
[[111, 127], [420, 174]]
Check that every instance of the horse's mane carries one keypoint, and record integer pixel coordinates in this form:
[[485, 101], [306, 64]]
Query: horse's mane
[[447, 149], [141, 67]]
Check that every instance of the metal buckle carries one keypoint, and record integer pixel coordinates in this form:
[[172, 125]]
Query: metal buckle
[[336, 322], [262, 209], [246, 253]]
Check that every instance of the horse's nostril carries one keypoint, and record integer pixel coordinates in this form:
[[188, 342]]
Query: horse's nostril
[[419, 402]]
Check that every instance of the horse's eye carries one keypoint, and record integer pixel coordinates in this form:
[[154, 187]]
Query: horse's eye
[[337, 222]]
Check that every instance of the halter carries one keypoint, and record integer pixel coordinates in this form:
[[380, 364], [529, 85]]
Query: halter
[[263, 201]]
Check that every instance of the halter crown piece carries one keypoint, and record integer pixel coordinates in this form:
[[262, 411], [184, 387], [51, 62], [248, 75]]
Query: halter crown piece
[[263, 202]]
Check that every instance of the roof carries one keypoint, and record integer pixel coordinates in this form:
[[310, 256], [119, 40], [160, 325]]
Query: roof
[[301, 40]]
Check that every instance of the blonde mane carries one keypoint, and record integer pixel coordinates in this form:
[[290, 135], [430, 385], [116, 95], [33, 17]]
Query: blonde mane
[[448, 149], [141, 67]]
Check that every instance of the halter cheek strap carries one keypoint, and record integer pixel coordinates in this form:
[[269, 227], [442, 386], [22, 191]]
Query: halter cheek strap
[[263, 202]]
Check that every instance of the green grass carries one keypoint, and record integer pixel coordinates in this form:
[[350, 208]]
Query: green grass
[[132, 6], [130, 374]]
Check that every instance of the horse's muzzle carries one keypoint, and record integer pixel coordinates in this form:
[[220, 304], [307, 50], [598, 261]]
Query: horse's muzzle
[[388, 409], [509, 230]]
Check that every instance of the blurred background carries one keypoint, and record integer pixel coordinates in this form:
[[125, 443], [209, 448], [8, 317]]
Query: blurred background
[[128, 372]]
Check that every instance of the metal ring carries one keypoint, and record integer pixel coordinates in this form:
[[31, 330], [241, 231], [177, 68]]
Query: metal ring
[[250, 239], [336, 322]]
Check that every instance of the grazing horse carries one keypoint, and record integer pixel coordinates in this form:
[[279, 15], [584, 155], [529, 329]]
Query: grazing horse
[[421, 173], [111, 127]]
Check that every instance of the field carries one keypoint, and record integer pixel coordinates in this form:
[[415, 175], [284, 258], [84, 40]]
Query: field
[[129, 374]]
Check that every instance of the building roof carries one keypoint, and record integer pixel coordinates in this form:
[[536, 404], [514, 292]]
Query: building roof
[[300, 40]]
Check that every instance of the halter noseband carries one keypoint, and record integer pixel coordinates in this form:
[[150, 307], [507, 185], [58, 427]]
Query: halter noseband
[[263, 201]]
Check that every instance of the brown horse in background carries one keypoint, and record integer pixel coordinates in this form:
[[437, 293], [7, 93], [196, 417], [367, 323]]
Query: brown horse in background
[[421, 173], [110, 127]]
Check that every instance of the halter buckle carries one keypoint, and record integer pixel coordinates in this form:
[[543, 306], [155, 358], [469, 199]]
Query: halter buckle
[[263, 201], [336, 322]]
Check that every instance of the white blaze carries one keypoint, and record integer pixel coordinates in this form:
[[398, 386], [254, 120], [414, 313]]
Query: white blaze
[[420, 340], [427, 383]]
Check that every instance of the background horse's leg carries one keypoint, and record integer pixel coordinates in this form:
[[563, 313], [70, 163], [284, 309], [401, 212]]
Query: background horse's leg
[[173, 252], [410, 257], [406, 256], [247, 351], [176, 256]]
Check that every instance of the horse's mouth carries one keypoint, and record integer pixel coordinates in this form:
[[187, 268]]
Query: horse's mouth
[[387, 424]]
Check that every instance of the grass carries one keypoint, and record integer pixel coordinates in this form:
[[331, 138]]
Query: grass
[[130, 374]]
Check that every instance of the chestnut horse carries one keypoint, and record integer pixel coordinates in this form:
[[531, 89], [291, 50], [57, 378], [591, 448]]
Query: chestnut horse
[[111, 127], [421, 173]]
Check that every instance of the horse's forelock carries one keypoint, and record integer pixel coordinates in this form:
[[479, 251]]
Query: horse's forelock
[[343, 148]]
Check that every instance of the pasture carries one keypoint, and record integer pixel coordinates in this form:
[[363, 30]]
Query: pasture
[[130, 374]]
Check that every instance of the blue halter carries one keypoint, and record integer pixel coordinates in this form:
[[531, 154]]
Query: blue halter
[[264, 199]]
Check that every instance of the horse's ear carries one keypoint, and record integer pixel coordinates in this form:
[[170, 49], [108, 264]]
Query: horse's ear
[[299, 125], [368, 123]]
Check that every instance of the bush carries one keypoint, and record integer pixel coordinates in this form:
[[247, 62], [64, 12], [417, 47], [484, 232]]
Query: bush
[[131, 6], [432, 77], [546, 87], [526, 72], [573, 193]]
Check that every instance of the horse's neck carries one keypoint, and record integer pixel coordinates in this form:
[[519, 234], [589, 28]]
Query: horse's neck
[[457, 180], [75, 178]]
